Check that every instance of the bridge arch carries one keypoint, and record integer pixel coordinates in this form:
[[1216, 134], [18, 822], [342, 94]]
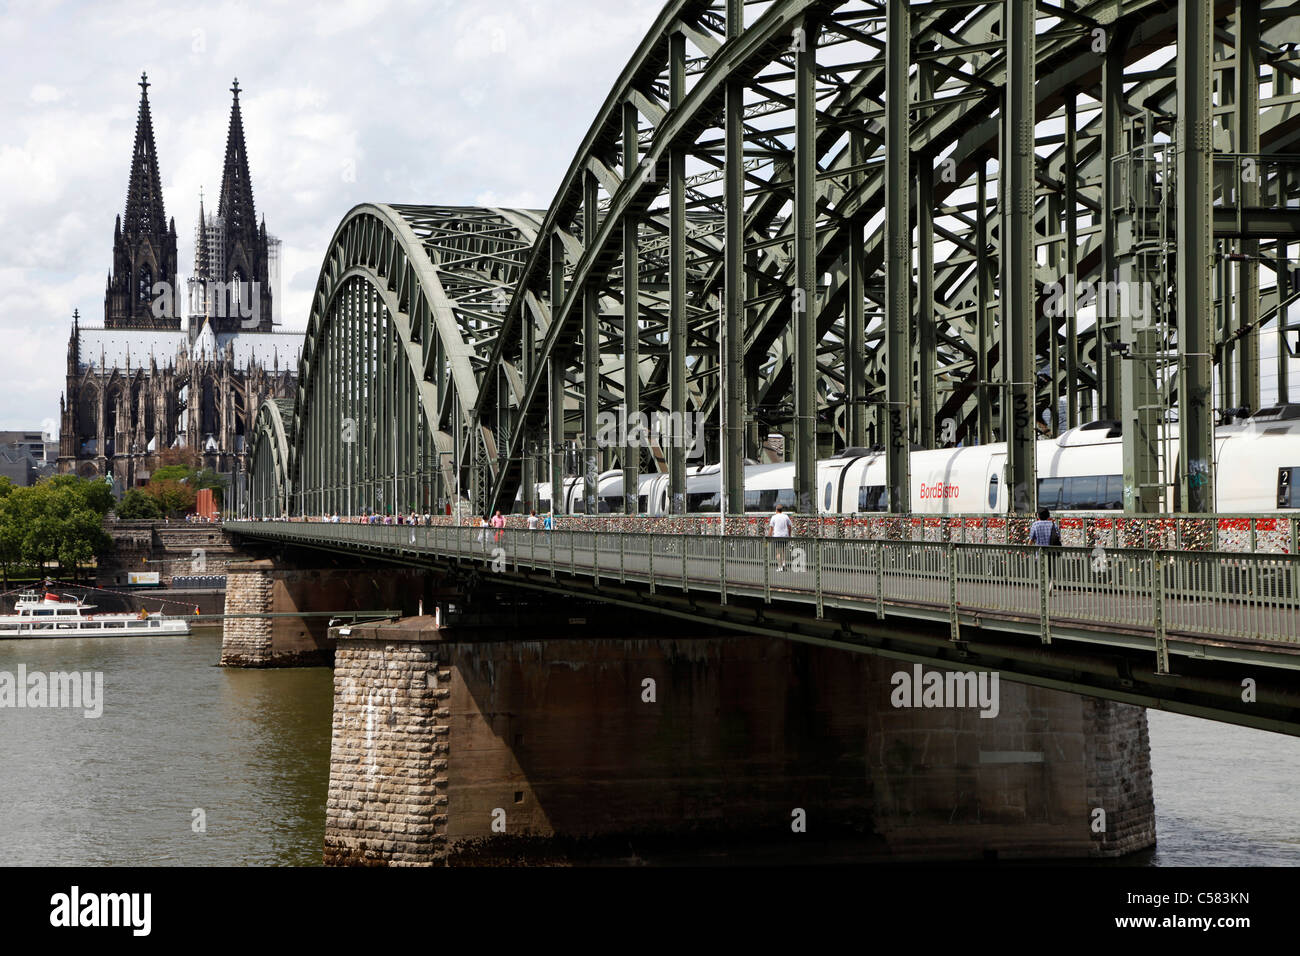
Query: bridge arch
[[406, 304], [268, 477]]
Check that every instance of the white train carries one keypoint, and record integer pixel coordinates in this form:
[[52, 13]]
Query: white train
[[1257, 463]]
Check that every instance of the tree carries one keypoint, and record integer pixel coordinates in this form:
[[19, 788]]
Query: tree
[[138, 504], [172, 473], [59, 519], [173, 497]]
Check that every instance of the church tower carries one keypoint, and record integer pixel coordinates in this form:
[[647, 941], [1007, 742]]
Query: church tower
[[144, 242], [243, 301]]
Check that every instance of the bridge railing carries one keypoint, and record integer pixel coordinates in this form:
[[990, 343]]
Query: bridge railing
[[1213, 594], [1277, 533]]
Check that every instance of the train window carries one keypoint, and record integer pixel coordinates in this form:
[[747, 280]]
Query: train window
[[1286, 479], [544, 504], [702, 501], [871, 498], [993, 491], [826, 499], [1049, 493], [785, 498], [642, 502], [753, 501], [1081, 494], [611, 504], [1114, 492]]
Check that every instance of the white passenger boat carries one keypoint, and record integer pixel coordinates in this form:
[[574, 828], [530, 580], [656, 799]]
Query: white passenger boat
[[48, 615]]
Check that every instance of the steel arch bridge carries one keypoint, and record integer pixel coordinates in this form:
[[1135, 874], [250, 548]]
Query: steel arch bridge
[[818, 225]]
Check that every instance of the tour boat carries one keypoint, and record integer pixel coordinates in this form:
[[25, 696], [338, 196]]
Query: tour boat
[[48, 615]]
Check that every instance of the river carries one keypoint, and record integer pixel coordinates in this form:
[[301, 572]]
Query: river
[[250, 749]]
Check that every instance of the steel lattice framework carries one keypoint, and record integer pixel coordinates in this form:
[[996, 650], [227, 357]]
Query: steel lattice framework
[[844, 224]]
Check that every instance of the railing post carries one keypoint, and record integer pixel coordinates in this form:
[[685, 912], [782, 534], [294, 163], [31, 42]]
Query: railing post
[[817, 573], [650, 553], [1162, 645], [553, 532], [595, 557], [767, 570], [954, 633], [573, 556], [1044, 626], [622, 565], [685, 539], [722, 566], [880, 580]]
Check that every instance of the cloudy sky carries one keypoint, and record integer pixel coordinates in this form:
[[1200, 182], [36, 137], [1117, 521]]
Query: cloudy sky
[[422, 101]]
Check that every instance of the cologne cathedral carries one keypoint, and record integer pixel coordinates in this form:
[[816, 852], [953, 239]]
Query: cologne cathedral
[[147, 380]]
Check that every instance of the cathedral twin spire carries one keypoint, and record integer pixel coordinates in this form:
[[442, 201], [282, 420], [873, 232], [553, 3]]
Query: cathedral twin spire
[[145, 242], [236, 204], [144, 199]]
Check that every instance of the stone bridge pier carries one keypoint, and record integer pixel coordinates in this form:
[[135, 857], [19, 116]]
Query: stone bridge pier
[[310, 588], [600, 739]]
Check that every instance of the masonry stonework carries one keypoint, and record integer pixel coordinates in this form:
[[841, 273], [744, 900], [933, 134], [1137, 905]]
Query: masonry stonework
[[246, 641], [449, 748]]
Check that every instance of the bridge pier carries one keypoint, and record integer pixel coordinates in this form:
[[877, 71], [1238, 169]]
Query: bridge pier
[[464, 745], [264, 587]]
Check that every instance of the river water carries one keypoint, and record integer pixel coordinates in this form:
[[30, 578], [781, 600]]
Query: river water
[[250, 749]]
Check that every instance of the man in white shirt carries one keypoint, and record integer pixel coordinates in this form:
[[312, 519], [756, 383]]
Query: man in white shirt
[[779, 526]]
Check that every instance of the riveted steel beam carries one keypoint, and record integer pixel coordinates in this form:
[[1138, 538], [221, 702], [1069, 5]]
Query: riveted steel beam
[[1018, 306], [898, 257], [631, 321], [1246, 135], [732, 329], [1194, 258], [677, 357], [804, 304]]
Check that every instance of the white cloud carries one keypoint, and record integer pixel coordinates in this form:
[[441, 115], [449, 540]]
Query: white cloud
[[45, 93]]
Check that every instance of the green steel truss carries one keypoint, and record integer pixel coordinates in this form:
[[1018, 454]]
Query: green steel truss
[[788, 219]]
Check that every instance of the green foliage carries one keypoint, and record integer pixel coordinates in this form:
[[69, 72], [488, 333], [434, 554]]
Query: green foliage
[[173, 473], [172, 497], [171, 500], [58, 520], [137, 504]]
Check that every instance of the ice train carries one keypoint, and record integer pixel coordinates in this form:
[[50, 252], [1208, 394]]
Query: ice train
[[1256, 464]]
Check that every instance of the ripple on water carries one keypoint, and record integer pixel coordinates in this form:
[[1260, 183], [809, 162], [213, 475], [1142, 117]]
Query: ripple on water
[[251, 748]]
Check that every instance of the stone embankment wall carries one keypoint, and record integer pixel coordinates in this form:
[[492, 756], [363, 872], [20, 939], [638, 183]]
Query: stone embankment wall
[[172, 549]]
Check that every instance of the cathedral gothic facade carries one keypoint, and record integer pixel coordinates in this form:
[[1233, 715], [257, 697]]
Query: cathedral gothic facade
[[146, 381]]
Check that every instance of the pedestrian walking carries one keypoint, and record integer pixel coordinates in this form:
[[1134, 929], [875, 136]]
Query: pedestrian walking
[[533, 521], [498, 522], [779, 526], [1044, 531]]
